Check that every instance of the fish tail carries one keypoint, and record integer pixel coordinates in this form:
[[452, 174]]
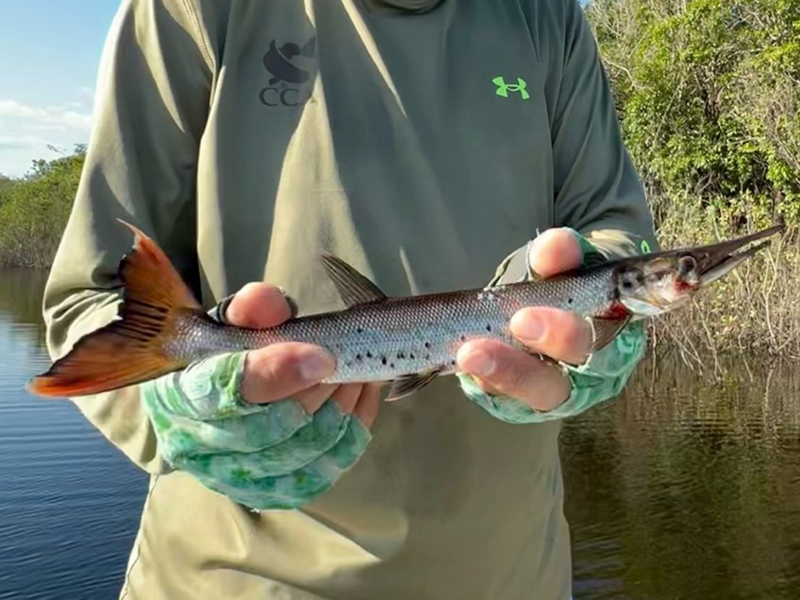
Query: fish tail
[[132, 349]]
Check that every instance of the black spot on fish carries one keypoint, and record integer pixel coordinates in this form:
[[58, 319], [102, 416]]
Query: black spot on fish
[[400, 355], [358, 357], [569, 300], [391, 365], [359, 330], [411, 356], [369, 354], [463, 338], [488, 328], [427, 357], [383, 359], [428, 345]]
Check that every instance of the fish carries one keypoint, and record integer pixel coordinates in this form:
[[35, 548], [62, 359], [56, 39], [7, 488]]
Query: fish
[[404, 341]]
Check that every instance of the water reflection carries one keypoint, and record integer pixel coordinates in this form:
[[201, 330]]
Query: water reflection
[[21, 299], [685, 488], [688, 488]]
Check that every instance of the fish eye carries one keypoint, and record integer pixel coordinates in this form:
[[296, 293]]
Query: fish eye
[[686, 265], [629, 281]]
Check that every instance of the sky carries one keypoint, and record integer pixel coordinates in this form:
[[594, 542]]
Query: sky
[[49, 54]]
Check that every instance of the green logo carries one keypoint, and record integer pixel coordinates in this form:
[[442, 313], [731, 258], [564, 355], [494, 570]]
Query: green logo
[[503, 88], [645, 247]]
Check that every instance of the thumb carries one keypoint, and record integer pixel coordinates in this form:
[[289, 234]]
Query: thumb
[[555, 251], [258, 305]]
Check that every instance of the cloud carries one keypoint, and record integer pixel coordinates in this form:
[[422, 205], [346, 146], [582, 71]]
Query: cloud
[[50, 117], [10, 108], [27, 131]]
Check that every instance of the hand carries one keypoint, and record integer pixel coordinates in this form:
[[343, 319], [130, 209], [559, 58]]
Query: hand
[[502, 369], [295, 370]]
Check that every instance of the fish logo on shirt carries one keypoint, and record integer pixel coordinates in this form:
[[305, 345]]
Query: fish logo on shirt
[[290, 84]]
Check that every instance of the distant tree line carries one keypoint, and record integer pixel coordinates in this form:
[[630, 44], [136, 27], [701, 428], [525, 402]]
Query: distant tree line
[[34, 210]]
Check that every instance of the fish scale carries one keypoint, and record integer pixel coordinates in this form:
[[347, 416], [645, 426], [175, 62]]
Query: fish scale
[[375, 341]]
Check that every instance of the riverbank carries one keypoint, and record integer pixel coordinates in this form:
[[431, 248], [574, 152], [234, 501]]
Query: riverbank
[[755, 310]]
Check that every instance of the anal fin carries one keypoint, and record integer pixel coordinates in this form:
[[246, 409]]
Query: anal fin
[[406, 385]]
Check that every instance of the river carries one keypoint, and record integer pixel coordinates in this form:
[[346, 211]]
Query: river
[[684, 488]]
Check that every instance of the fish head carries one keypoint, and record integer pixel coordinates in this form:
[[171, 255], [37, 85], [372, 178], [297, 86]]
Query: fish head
[[658, 286], [663, 281]]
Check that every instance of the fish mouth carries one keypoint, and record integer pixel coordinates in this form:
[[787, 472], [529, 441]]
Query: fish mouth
[[717, 260], [714, 261]]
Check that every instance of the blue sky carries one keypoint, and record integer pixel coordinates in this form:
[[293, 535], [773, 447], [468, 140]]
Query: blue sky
[[49, 52]]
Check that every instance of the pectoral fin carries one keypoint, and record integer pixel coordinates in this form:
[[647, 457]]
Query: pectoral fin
[[605, 330]]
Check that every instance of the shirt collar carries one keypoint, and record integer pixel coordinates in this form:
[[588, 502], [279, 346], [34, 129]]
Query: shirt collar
[[414, 6]]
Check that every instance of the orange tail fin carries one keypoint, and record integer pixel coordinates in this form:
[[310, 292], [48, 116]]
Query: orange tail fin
[[132, 349]]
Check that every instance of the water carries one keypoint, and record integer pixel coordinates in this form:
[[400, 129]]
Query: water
[[683, 489], [69, 501], [689, 489]]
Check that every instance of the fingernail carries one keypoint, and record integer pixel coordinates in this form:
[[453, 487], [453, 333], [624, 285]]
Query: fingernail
[[316, 367], [530, 328], [531, 254], [479, 363], [277, 291]]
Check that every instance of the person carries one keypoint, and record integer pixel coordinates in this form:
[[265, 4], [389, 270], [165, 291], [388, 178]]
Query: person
[[426, 143]]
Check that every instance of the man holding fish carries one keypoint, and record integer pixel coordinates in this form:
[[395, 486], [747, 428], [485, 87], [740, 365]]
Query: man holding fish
[[420, 144]]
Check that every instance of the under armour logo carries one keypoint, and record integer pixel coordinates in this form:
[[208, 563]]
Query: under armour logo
[[504, 88]]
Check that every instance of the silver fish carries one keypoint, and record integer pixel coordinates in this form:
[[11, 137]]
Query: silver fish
[[406, 340]]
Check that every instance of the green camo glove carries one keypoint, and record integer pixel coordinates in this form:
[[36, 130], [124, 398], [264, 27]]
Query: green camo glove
[[599, 379], [264, 456]]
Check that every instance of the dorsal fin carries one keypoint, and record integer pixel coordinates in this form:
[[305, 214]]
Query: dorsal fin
[[352, 286]]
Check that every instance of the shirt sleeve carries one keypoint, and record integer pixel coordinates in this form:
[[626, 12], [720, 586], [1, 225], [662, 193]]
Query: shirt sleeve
[[151, 106], [597, 190]]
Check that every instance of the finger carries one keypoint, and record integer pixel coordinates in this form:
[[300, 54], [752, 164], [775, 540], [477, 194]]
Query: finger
[[553, 252], [559, 334], [368, 403], [282, 370], [313, 398], [258, 305], [347, 396], [501, 368]]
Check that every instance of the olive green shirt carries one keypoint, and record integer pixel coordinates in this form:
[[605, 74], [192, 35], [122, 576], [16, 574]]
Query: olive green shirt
[[423, 147]]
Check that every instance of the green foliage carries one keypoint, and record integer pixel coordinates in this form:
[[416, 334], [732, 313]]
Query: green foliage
[[707, 93], [5, 183], [34, 210]]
